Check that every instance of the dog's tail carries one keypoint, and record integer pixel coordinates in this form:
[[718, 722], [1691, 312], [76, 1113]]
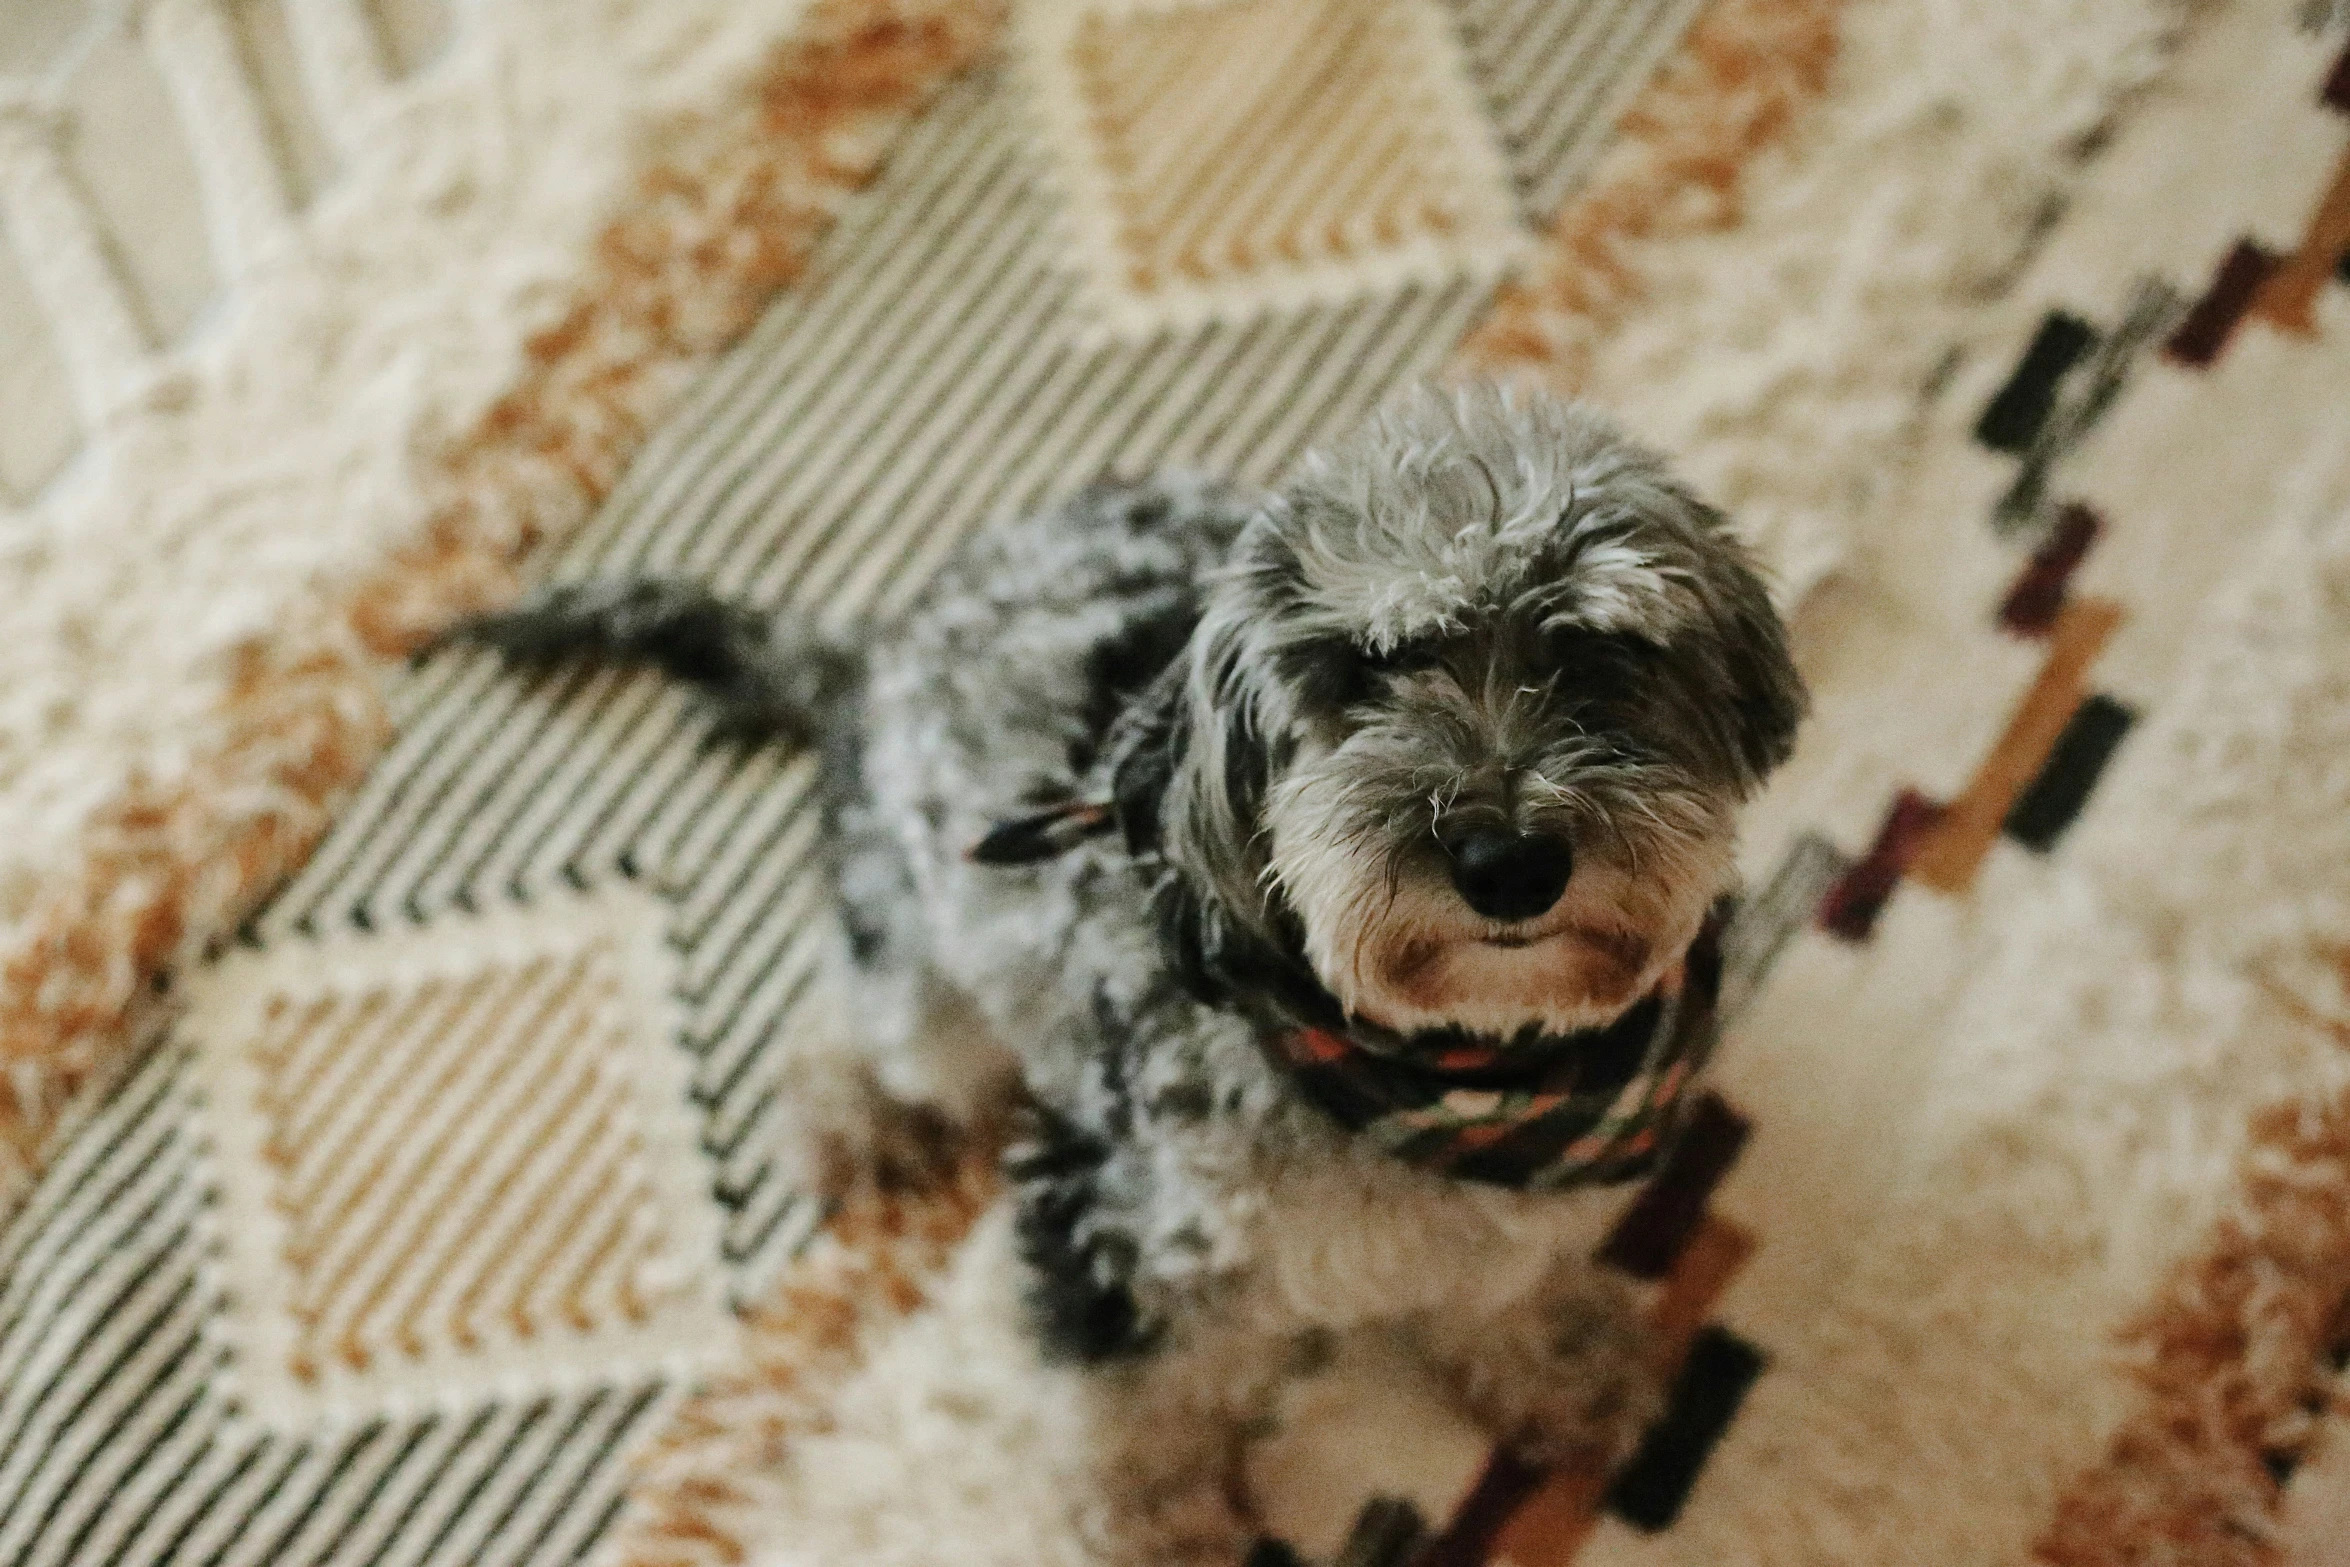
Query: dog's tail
[[768, 680]]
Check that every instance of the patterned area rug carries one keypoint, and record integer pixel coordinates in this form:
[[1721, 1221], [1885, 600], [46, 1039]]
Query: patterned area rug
[[433, 1214]]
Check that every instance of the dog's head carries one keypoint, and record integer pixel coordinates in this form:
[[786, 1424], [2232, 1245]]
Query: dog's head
[[1466, 722]]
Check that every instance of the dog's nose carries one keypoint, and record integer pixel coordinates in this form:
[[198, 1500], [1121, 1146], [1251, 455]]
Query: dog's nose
[[1510, 875]]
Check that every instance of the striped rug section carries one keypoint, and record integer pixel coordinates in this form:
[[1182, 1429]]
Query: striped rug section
[[118, 1447], [929, 374]]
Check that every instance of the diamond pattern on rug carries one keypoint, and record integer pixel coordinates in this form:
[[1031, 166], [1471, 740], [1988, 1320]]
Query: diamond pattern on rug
[[456, 1159], [1218, 160]]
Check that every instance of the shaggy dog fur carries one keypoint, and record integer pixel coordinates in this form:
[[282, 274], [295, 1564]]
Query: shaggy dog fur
[[1446, 737]]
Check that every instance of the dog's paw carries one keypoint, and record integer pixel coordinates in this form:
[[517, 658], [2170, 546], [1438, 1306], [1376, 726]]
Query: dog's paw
[[1157, 1482], [1591, 1390], [896, 1147], [844, 1134], [1571, 1378]]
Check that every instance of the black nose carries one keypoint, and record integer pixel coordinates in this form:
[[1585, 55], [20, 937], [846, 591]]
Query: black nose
[[1510, 875]]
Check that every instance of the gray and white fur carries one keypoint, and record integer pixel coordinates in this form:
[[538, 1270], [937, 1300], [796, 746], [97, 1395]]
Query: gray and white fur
[[1448, 733]]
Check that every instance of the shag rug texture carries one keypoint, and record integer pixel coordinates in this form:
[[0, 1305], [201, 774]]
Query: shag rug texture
[[388, 1112]]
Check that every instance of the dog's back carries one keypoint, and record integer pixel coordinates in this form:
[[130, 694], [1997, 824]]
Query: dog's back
[[994, 696]]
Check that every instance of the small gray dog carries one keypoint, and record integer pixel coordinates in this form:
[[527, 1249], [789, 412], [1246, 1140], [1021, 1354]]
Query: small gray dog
[[1337, 869]]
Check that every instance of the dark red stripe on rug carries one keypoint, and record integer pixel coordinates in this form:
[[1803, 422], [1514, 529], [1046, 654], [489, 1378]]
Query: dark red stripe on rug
[[2032, 604], [2212, 320], [1655, 1230], [1498, 1494], [1851, 907]]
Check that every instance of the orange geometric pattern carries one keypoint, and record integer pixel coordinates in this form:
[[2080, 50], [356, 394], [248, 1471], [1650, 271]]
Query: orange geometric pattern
[[2288, 300], [1955, 848], [1219, 159], [2234, 1360], [456, 1155]]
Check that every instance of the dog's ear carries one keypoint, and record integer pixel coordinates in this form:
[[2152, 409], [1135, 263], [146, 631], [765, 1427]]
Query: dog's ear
[[1186, 769], [1723, 647], [1142, 751], [1743, 650], [1773, 701], [1188, 773], [1216, 765]]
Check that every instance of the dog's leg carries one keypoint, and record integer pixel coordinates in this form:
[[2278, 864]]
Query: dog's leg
[[1570, 1374], [892, 1060], [1167, 1380], [1165, 1486]]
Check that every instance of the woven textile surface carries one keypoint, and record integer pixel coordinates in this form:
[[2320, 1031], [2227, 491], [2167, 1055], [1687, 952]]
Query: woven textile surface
[[429, 1212]]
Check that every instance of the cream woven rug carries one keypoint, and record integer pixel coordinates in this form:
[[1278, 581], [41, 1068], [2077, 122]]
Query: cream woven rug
[[428, 1215]]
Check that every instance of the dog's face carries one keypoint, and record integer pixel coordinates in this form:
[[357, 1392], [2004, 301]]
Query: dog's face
[[1468, 723]]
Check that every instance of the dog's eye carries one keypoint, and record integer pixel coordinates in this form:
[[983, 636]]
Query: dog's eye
[[1334, 674], [1402, 659]]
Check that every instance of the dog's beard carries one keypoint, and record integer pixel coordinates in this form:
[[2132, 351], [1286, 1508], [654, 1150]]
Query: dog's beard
[[1389, 937]]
